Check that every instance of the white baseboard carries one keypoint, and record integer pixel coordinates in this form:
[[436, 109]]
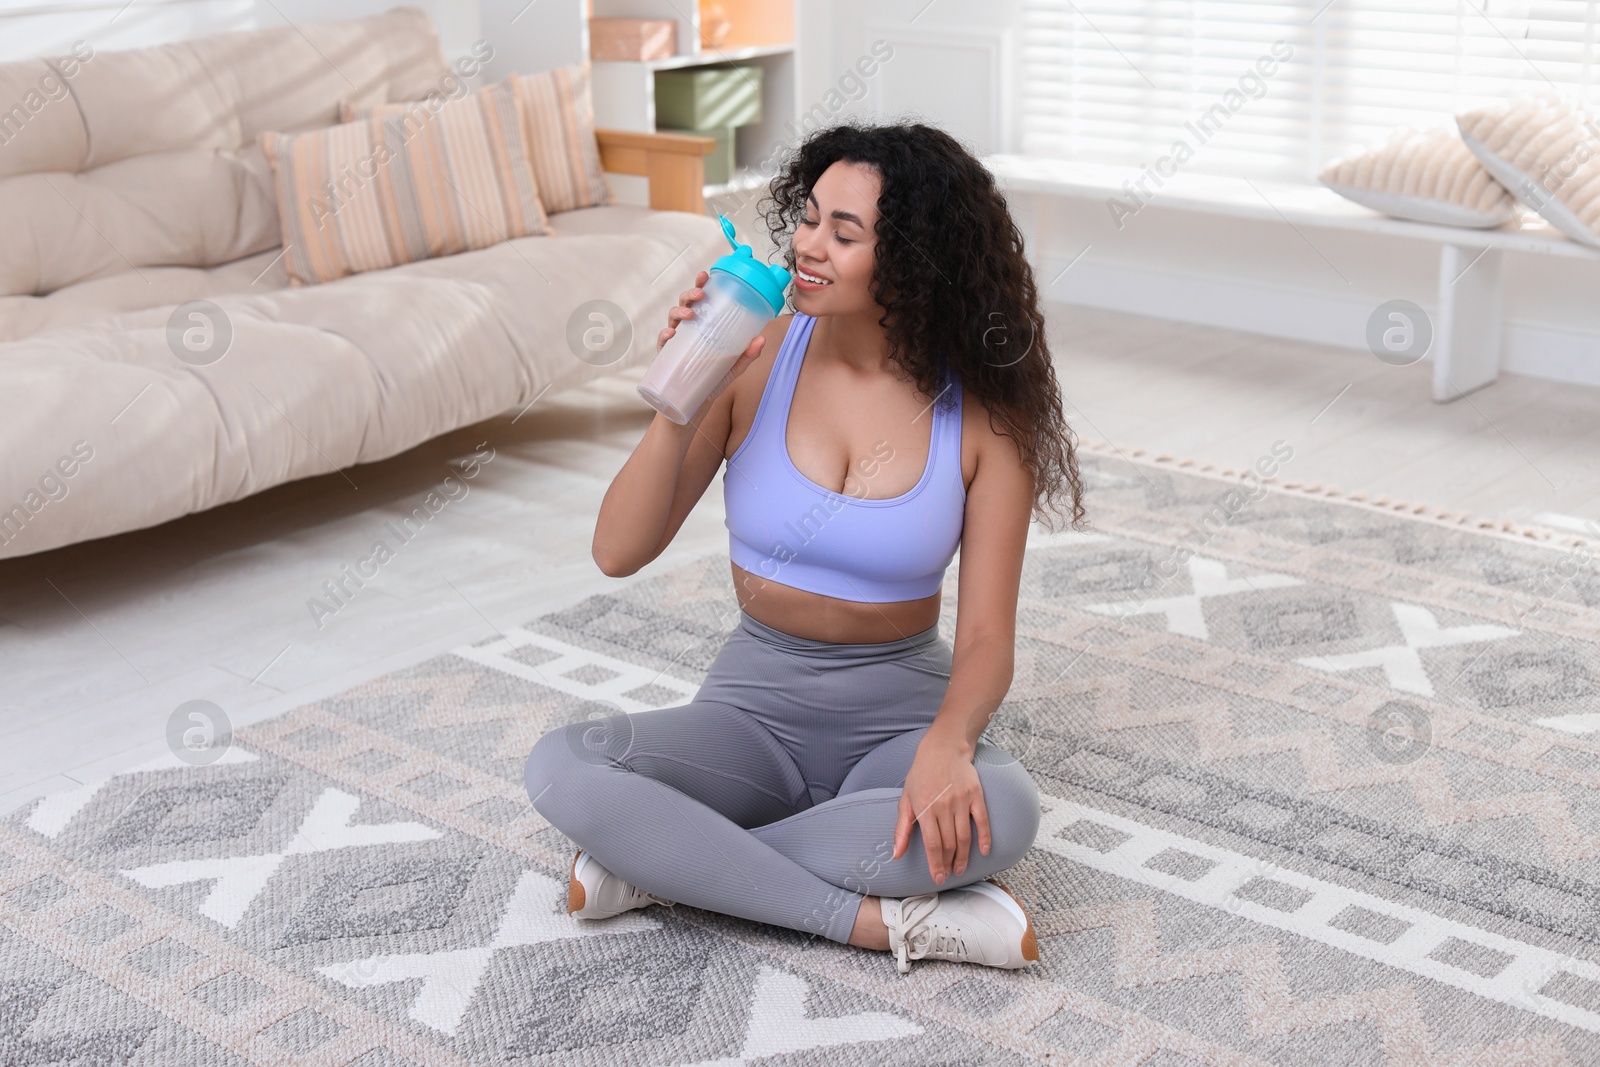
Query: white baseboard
[[1254, 307]]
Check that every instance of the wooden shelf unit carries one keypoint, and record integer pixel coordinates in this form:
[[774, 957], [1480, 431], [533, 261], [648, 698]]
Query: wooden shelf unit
[[624, 92]]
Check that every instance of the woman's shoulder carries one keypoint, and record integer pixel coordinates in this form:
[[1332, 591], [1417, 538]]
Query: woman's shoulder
[[980, 439]]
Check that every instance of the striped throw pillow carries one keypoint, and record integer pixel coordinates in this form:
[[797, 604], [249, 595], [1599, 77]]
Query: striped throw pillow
[[558, 112], [566, 155], [409, 182]]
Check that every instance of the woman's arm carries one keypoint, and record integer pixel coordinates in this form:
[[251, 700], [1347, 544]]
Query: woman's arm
[[631, 529], [994, 537], [669, 470], [942, 792]]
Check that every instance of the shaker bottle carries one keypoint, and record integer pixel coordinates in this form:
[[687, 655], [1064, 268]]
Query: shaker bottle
[[741, 297]]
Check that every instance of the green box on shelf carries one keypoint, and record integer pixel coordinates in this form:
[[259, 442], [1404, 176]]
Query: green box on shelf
[[705, 98], [719, 162]]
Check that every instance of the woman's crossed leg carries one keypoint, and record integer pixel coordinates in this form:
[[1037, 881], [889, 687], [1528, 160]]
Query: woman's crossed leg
[[702, 805]]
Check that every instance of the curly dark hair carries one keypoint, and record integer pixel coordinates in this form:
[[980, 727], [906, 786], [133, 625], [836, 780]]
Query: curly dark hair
[[953, 281]]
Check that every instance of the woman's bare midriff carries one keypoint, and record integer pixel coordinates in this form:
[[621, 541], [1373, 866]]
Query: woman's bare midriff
[[825, 618]]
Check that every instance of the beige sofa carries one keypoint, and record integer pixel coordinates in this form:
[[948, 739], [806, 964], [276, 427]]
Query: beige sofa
[[135, 185]]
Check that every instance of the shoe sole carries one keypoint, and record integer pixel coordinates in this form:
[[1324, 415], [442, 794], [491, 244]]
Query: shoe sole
[[1030, 943], [575, 894]]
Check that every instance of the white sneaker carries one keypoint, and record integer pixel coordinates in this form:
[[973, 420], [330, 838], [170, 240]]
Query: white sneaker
[[595, 893], [978, 923]]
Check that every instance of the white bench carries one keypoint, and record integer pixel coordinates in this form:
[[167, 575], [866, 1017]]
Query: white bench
[[1467, 337]]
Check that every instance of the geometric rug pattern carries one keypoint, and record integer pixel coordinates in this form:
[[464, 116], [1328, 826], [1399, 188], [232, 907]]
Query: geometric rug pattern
[[1320, 785]]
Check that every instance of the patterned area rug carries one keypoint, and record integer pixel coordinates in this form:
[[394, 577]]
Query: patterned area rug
[[1321, 785]]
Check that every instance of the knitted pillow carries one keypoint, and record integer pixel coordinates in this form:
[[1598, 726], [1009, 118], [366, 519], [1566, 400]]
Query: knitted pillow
[[1427, 175], [1543, 148], [558, 113], [410, 184]]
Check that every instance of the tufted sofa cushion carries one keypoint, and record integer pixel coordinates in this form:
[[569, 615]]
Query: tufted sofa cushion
[[149, 158], [321, 378]]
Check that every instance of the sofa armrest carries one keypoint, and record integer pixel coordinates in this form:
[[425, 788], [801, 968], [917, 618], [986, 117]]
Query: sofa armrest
[[674, 163]]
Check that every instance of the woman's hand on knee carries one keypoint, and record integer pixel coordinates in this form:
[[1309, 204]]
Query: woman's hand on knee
[[943, 796]]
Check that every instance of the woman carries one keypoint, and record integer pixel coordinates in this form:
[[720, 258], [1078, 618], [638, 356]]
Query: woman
[[830, 774]]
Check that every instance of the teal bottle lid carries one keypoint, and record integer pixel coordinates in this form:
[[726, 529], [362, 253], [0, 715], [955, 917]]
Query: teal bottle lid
[[767, 279]]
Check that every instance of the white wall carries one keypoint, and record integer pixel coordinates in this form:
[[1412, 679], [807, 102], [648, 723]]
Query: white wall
[[531, 36], [952, 64]]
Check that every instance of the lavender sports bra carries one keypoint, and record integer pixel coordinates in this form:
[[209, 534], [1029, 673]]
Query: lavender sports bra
[[788, 529]]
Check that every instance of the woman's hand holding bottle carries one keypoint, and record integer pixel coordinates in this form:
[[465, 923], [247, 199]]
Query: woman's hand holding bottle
[[683, 310]]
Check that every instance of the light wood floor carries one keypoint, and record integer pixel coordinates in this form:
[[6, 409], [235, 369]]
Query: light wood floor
[[100, 642]]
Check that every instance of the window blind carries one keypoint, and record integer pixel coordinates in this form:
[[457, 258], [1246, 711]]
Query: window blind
[[1123, 81]]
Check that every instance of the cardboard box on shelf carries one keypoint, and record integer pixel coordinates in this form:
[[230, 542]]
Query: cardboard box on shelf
[[731, 24], [632, 40], [704, 98]]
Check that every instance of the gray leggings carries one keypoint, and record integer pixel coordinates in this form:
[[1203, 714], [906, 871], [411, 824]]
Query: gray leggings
[[773, 795]]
